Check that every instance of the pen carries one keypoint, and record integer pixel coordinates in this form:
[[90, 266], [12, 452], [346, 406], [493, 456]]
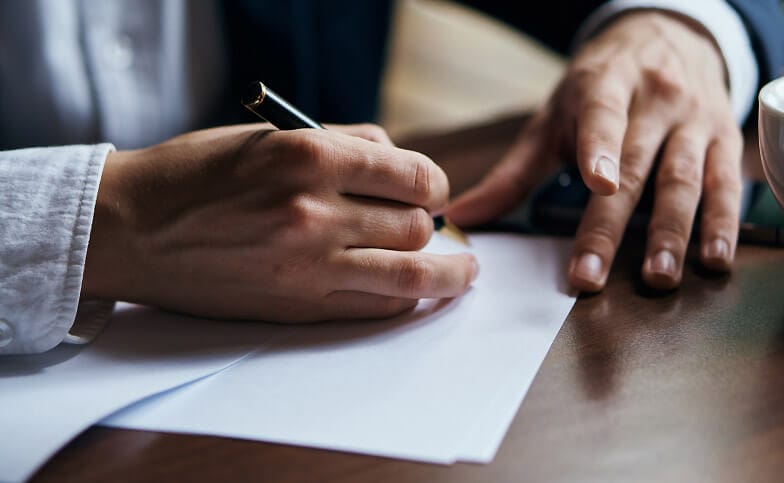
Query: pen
[[269, 106], [753, 234]]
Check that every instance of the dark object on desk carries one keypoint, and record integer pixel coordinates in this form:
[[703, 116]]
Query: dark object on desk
[[557, 206], [269, 106]]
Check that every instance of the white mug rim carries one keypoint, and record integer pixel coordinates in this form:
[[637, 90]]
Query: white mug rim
[[764, 92]]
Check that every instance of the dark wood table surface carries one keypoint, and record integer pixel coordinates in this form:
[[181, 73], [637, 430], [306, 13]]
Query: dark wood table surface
[[638, 386]]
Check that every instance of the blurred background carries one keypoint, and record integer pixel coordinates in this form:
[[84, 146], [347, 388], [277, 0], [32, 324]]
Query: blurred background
[[450, 66]]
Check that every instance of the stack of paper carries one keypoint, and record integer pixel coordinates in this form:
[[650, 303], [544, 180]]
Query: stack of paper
[[47, 399], [439, 384]]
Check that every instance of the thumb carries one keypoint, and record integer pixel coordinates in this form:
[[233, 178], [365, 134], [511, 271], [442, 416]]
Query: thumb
[[499, 192]]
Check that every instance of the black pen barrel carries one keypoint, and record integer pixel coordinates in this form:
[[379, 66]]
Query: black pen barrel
[[268, 105]]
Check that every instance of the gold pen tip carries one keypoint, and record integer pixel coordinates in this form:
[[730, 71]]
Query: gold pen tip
[[254, 94], [449, 229]]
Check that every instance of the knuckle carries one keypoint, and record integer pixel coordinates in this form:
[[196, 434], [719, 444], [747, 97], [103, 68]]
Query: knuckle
[[422, 178], [389, 306], [309, 149], [685, 174], [420, 227], [725, 178], [597, 137], [632, 181], [671, 232], [682, 139], [603, 104], [303, 214], [469, 272], [602, 237], [414, 275], [634, 153], [377, 169], [663, 79], [583, 73], [722, 224], [694, 104], [298, 211]]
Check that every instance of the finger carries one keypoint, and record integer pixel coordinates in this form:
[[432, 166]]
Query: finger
[[355, 166], [601, 126], [678, 191], [406, 274], [361, 305], [721, 201], [368, 131], [379, 171], [605, 217], [372, 223], [522, 168]]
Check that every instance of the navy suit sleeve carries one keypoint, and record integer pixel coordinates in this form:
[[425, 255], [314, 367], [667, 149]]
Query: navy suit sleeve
[[555, 22], [764, 20], [552, 22]]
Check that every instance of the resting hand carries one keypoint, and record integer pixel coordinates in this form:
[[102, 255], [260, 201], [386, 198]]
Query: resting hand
[[649, 86], [291, 226]]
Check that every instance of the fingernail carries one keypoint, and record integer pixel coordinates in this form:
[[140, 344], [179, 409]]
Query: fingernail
[[717, 249], [476, 270], [607, 169], [588, 267], [663, 263]]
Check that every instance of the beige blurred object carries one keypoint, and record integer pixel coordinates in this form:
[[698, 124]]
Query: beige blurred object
[[450, 66]]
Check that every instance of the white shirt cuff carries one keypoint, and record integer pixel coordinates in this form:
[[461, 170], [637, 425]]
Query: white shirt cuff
[[91, 317], [46, 209], [721, 21]]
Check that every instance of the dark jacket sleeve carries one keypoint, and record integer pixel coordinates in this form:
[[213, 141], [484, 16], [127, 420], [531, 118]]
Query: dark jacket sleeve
[[555, 23], [764, 20], [552, 22]]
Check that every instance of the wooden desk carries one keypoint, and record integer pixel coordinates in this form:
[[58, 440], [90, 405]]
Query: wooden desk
[[639, 386]]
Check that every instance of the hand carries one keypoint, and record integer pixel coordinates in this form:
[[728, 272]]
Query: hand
[[253, 223], [650, 84]]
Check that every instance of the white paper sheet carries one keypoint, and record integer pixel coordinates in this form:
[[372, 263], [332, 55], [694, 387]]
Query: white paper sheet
[[47, 399], [437, 385]]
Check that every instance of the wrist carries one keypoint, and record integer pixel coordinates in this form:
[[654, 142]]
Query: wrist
[[109, 267], [674, 19], [677, 28]]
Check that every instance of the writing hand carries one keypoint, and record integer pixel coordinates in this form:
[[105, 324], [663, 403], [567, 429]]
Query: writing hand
[[254, 223]]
